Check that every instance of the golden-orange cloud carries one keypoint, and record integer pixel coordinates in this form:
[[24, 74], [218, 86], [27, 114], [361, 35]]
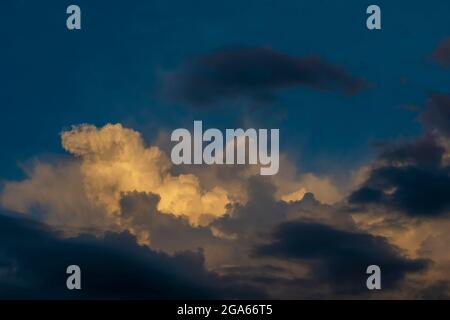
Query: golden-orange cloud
[[115, 161]]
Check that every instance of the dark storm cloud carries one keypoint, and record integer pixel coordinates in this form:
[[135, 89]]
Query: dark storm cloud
[[425, 151], [437, 114], [417, 191], [33, 262], [253, 73], [412, 179], [442, 53], [338, 257]]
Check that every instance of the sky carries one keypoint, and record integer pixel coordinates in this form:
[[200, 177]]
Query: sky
[[85, 170]]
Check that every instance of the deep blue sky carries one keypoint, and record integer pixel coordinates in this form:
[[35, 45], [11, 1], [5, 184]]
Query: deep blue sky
[[109, 71]]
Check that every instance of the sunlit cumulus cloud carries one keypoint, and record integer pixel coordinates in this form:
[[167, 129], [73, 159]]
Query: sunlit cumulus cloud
[[115, 160], [112, 161]]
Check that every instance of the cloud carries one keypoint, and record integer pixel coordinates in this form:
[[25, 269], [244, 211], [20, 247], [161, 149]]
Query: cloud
[[110, 161], [260, 213], [340, 257], [437, 114], [167, 232], [112, 186], [411, 178], [33, 261], [264, 211], [115, 160], [321, 186], [442, 53], [404, 195], [436, 291], [289, 184], [255, 74], [112, 182], [54, 192]]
